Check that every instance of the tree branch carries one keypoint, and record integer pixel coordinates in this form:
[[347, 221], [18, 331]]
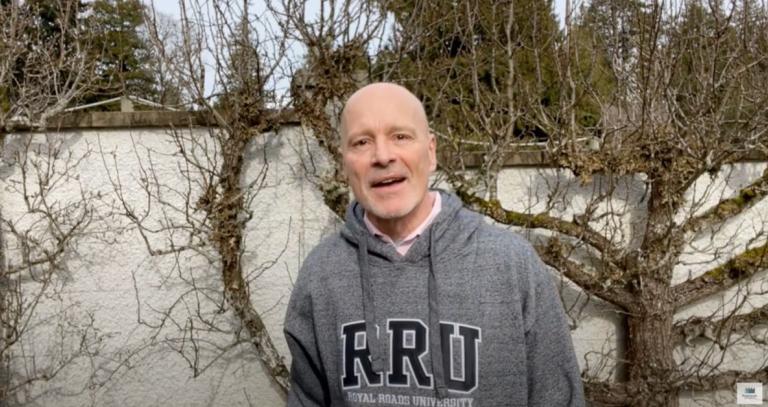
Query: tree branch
[[735, 270], [726, 209], [494, 210], [606, 394], [723, 381], [718, 331], [554, 254]]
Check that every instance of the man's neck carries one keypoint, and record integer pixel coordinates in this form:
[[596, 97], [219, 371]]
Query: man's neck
[[398, 229]]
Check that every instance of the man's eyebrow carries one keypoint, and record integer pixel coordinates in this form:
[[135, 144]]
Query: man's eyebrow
[[390, 129], [360, 133], [404, 128]]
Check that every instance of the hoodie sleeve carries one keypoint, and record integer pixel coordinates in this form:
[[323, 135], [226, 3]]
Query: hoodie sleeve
[[553, 372], [309, 386]]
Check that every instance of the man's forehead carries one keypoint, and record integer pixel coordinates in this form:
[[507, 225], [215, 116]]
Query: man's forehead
[[360, 127], [377, 91], [383, 101]]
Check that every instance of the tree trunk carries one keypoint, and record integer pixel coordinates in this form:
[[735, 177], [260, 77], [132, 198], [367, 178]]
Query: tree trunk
[[651, 366], [5, 286], [228, 236]]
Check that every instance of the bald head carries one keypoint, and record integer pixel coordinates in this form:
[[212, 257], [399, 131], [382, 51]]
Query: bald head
[[383, 97]]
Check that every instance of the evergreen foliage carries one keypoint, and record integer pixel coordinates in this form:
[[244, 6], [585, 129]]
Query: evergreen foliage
[[483, 56], [123, 52], [110, 32]]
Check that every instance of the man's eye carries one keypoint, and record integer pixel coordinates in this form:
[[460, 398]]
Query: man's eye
[[360, 142], [402, 136]]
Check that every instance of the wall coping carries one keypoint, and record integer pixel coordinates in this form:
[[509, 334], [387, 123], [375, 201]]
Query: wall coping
[[529, 156], [146, 119]]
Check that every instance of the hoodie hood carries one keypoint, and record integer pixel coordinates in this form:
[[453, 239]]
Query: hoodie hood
[[444, 238], [451, 229]]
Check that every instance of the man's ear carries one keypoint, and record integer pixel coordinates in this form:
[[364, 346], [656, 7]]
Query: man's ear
[[432, 152], [344, 175]]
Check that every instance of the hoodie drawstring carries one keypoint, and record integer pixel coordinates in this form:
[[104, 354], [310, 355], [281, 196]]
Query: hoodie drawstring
[[369, 310], [435, 337]]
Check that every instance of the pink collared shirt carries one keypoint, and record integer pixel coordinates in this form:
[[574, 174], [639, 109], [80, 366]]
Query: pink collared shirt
[[403, 245]]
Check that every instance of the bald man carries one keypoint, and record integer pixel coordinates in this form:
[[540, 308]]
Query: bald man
[[417, 301]]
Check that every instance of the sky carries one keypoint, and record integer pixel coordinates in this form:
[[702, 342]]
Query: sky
[[171, 8], [560, 9]]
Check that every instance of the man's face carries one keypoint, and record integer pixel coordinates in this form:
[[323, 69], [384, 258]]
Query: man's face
[[388, 153]]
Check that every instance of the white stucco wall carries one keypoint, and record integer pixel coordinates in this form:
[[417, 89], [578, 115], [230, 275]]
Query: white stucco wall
[[144, 324], [113, 278]]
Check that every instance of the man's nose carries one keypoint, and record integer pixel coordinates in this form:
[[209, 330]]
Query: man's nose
[[383, 153]]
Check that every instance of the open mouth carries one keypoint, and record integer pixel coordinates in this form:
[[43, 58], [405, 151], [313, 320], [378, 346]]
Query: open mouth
[[388, 182]]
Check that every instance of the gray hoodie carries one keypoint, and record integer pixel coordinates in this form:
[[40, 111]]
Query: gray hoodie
[[468, 317]]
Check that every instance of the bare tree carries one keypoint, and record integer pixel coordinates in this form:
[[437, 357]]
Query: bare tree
[[206, 214], [42, 228], [42, 70], [169, 86]]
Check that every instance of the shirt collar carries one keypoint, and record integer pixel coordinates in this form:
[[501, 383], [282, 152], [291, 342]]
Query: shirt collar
[[408, 240]]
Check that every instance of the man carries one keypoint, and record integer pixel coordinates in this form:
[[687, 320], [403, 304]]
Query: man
[[417, 301]]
